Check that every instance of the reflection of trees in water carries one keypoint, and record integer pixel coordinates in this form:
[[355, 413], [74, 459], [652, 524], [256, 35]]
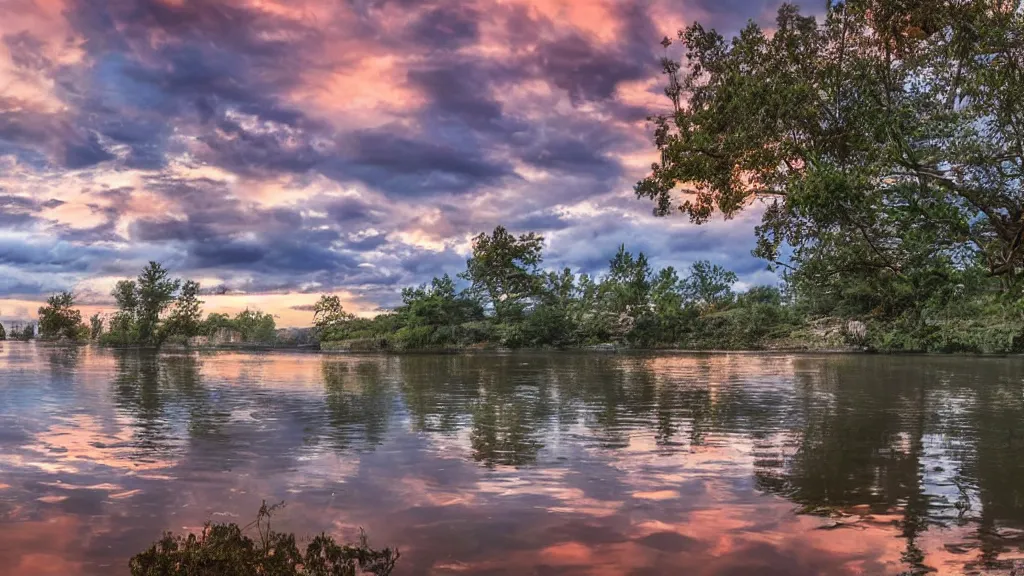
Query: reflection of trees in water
[[847, 432], [359, 400], [860, 436], [512, 404], [63, 360], [159, 392], [169, 402], [991, 450], [862, 427], [504, 410]]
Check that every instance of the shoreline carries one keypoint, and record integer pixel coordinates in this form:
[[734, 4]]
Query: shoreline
[[477, 350]]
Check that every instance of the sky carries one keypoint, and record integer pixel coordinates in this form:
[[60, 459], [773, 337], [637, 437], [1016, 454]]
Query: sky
[[275, 150]]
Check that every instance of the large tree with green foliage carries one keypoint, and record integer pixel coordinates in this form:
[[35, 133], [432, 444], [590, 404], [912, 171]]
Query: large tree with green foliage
[[886, 139], [155, 293], [504, 271], [186, 316], [330, 317], [142, 304], [59, 319], [255, 326]]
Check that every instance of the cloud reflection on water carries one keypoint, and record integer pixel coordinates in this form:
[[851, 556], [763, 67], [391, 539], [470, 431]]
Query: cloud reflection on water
[[525, 463]]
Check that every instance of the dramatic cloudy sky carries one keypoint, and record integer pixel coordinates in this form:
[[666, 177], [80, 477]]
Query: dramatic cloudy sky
[[277, 149]]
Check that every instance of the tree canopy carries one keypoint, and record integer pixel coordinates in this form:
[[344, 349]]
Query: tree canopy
[[60, 320], [890, 127], [884, 145]]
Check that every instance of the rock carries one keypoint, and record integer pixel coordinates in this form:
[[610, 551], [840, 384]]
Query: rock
[[296, 336], [856, 330], [220, 337]]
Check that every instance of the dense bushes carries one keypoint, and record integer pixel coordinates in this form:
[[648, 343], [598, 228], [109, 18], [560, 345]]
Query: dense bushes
[[59, 320], [155, 309], [511, 301], [253, 325]]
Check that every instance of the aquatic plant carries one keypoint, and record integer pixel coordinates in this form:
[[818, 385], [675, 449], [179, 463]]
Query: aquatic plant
[[225, 550]]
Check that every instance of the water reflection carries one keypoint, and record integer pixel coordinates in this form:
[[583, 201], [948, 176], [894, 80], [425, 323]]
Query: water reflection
[[525, 462]]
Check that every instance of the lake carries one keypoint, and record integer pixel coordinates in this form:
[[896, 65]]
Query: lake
[[521, 463]]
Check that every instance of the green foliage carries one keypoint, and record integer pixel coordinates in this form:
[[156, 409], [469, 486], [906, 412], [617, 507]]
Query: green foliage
[[225, 550], [883, 143], [141, 318], [330, 318], [504, 271], [187, 313], [155, 292], [95, 326], [709, 285], [255, 326], [632, 304], [23, 332], [59, 320]]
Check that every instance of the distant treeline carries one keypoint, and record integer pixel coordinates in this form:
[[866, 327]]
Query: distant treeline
[[152, 310], [505, 298], [19, 331]]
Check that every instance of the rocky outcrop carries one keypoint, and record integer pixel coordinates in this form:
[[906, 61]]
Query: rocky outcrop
[[219, 338], [856, 331], [296, 337]]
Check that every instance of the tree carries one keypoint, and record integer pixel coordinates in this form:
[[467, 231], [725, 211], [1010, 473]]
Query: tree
[[667, 305], [95, 326], [215, 321], [505, 270], [154, 293], [889, 132], [186, 316], [330, 318], [123, 329], [629, 283], [556, 319], [23, 333], [59, 319], [255, 326], [709, 285], [3, 333]]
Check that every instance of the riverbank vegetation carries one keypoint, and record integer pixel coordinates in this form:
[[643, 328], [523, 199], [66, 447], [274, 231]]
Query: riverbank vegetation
[[225, 550], [20, 331], [885, 147], [509, 300], [59, 320], [152, 310]]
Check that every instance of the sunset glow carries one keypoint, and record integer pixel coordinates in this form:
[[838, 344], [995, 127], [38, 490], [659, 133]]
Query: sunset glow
[[279, 150]]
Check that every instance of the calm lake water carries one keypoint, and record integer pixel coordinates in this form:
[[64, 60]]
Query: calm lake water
[[531, 463]]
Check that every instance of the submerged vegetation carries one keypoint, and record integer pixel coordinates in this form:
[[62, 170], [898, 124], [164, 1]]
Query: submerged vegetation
[[225, 550]]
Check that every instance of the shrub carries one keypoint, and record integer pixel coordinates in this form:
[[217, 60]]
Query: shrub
[[224, 550]]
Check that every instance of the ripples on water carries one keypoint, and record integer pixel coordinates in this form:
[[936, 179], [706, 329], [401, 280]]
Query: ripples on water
[[521, 463]]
